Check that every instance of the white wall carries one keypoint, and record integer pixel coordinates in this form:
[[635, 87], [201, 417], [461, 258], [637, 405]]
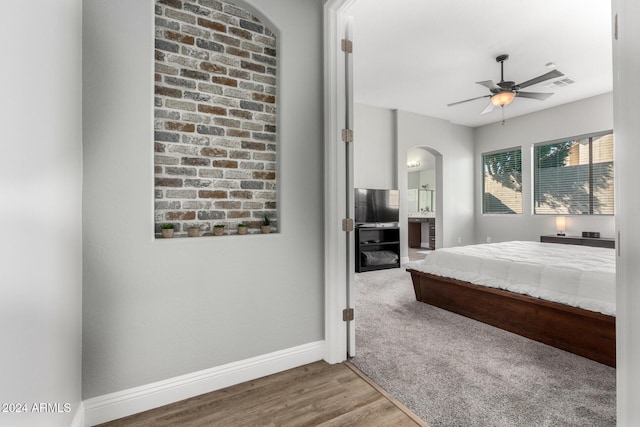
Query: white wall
[[428, 177], [381, 158], [626, 62], [413, 180], [156, 309], [462, 221], [40, 183], [374, 148], [455, 198], [422, 177], [578, 118]]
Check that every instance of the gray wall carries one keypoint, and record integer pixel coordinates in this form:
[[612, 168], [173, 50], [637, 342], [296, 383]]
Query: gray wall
[[454, 175], [461, 220], [40, 183], [374, 148], [577, 118], [155, 309], [383, 138]]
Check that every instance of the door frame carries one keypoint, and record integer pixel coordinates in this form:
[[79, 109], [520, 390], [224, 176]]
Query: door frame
[[625, 105], [335, 192]]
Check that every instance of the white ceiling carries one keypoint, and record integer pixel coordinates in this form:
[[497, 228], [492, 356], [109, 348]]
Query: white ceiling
[[420, 55]]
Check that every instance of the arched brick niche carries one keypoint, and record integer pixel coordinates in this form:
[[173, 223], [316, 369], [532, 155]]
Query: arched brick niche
[[215, 117]]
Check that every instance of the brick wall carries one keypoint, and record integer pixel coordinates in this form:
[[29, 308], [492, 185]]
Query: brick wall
[[215, 117]]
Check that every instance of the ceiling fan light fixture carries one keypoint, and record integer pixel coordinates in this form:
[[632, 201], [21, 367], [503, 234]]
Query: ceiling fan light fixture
[[503, 98]]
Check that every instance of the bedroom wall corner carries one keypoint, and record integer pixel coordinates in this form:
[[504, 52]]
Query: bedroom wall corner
[[374, 147]]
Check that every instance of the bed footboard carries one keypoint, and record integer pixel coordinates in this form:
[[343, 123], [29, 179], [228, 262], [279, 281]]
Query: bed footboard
[[583, 332]]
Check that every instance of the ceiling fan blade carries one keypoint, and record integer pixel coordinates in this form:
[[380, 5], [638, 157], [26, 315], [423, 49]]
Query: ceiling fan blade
[[488, 108], [550, 75], [467, 100], [488, 84], [534, 95]]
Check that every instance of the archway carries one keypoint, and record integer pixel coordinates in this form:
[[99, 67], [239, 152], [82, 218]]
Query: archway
[[424, 199]]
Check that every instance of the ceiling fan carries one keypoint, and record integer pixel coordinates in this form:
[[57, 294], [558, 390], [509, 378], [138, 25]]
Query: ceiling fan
[[505, 92]]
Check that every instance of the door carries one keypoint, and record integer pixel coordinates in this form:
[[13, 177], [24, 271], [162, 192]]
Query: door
[[339, 244], [349, 208]]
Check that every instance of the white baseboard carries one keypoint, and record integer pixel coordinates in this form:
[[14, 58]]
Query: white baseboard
[[78, 418], [138, 399]]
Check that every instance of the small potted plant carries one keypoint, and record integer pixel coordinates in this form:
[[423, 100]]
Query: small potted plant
[[167, 230], [218, 229], [266, 225], [193, 231], [242, 228]]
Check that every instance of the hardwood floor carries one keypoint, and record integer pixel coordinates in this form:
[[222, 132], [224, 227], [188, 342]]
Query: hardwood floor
[[317, 394]]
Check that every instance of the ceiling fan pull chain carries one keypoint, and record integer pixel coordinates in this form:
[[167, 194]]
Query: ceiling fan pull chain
[[502, 108]]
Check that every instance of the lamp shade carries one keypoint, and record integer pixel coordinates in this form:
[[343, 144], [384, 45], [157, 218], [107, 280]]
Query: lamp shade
[[560, 224], [503, 98]]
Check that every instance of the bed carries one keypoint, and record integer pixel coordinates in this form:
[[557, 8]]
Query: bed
[[560, 295]]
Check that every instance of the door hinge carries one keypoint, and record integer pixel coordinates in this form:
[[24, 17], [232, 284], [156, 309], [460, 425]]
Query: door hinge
[[347, 224], [346, 45], [347, 314], [347, 135]]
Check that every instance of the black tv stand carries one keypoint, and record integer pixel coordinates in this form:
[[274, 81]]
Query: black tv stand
[[377, 247]]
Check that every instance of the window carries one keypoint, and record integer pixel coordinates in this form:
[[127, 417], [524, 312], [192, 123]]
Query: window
[[574, 177], [502, 182]]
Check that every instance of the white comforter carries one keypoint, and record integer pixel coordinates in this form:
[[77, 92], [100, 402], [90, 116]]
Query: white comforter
[[580, 276]]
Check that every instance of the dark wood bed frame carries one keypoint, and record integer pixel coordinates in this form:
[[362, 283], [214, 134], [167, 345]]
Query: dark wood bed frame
[[583, 332]]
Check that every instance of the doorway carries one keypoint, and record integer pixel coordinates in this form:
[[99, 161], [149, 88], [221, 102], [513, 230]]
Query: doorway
[[625, 108], [424, 201], [421, 202]]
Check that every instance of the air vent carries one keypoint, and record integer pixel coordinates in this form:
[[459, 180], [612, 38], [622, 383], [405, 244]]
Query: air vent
[[560, 83]]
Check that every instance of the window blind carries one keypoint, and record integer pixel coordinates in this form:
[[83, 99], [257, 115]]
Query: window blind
[[502, 182], [574, 177]]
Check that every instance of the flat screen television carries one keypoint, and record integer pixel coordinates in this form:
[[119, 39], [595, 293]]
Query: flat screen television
[[375, 206]]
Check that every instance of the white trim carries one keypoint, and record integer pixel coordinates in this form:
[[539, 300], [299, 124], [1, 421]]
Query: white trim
[[138, 399], [78, 418], [335, 258], [335, 182]]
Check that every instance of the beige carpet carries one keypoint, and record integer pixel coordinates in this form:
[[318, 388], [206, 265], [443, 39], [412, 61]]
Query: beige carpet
[[455, 371]]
